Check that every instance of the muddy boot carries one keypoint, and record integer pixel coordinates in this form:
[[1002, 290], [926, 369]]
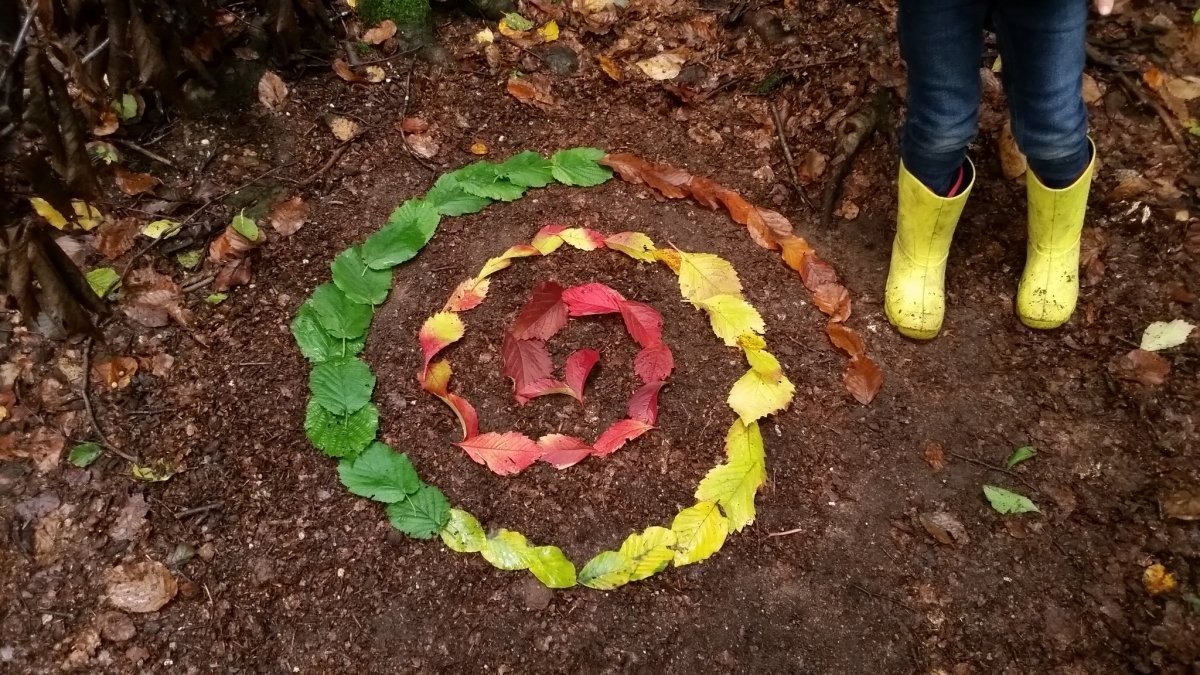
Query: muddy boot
[[1050, 284], [915, 299]]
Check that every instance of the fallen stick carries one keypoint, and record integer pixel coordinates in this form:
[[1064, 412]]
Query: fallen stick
[[787, 154]]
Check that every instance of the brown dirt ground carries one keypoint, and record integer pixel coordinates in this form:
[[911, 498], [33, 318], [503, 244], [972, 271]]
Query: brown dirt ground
[[297, 575]]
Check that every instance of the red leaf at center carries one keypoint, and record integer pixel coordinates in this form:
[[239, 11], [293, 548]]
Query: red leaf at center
[[643, 322], [618, 434], [643, 405], [544, 315], [654, 363], [524, 361], [590, 299], [579, 365], [506, 454]]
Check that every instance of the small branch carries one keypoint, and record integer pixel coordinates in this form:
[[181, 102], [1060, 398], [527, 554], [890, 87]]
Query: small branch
[[197, 284], [199, 509], [144, 152], [1168, 121], [993, 467], [787, 154], [403, 115], [785, 532], [333, 159], [95, 52], [91, 413]]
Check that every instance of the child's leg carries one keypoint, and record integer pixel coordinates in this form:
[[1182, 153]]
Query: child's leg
[[1042, 44], [941, 41]]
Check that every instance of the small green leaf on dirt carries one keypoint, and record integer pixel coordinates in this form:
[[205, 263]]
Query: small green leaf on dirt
[[483, 179], [422, 514], [216, 298], [84, 454], [126, 107], [245, 227], [103, 152], [343, 386], [528, 169], [1020, 455], [341, 435], [102, 280], [1166, 334], [359, 281], [517, 22], [190, 260], [1005, 501], [579, 167], [380, 473], [551, 566]]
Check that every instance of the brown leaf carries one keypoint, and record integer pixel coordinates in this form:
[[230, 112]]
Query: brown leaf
[[812, 166], [934, 454], [380, 33], [610, 68], [115, 372], [846, 339], [272, 92], [234, 273], [343, 128], [833, 300], [1012, 160], [131, 520], [424, 146], [153, 299], [944, 527], [43, 445], [1091, 90], [815, 272], [232, 245], [108, 125], [795, 251], [289, 216], [345, 72], [140, 587], [1181, 504], [1093, 245], [863, 379], [117, 237], [1131, 184], [1145, 367], [133, 183], [413, 125], [160, 365], [533, 90]]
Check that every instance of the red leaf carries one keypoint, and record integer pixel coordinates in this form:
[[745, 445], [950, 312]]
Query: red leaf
[[549, 231], [1144, 366], [814, 271], [561, 451], [643, 405], [590, 299], [506, 454], [654, 363], [621, 432], [643, 322], [833, 300], [863, 379], [467, 417], [524, 361], [578, 367], [845, 339], [543, 387], [544, 315]]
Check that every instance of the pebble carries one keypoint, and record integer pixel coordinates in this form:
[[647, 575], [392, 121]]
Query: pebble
[[116, 626], [536, 596]]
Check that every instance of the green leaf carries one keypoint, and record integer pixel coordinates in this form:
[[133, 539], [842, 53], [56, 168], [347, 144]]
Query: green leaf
[[527, 169], [450, 199], [359, 282], [245, 227], [1166, 334], [126, 107], [551, 566], [483, 179], [517, 22], [340, 316], [341, 386], [157, 229], [409, 228], [190, 260], [216, 298], [380, 473], [506, 550], [102, 280], [1008, 502], [317, 345], [463, 533], [1020, 455], [648, 552], [341, 435], [422, 514], [700, 531], [734, 483], [606, 571], [579, 167], [84, 454]]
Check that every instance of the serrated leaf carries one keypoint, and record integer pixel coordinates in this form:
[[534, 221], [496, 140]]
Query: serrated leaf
[[756, 395], [551, 566], [643, 404], [547, 241], [450, 199], [592, 299], [316, 344], [379, 473], [102, 280], [606, 571], [734, 483], [517, 22], [422, 514], [1005, 501], [703, 275], [506, 550], [561, 451], [1166, 334], [467, 295], [700, 531], [1020, 455], [483, 179], [505, 454], [84, 454], [582, 238], [617, 435], [577, 368], [654, 363], [463, 533], [342, 386], [358, 281], [579, 167], [649, 552], [731, 316], [338, 315], [764, 363], [543, 315], [408, 230], [341, 435], [527, 169], [633, 244], [643, 322], [438, 332]]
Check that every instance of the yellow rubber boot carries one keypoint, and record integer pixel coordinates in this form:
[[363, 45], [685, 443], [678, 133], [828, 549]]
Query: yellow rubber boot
[[915, 300], [1050, 284]]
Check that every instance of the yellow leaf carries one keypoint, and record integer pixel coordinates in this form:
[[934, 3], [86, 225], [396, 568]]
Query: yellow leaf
[[520, 251], [731, 317], [700, 531], [703, 275], [551, 566], [1158, 580], [478, 148], [49, 213], [664, 66], [633, 244], [507, 550], [375, 74], [508, 31], [547, 243], [438, 331], [492, 266], [609, 67], [648, 552], [734, 483], [668, 257], [549, 31], [749, 341], [437, 377], [607, 570], [159, 228], [764, 363], [463, 533], [87, 216], [485, 36], [756, 395], [581, 238]]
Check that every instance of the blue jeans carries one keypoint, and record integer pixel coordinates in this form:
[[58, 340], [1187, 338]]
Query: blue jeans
[[1042, 48]]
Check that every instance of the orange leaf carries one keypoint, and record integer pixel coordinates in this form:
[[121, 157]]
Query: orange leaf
[[468, 295], [669, 257], [116, 372], [533, 90], [344, 71], [833, 300], [795, 251], [863, 378], [289, 216], [609, 67], [706, 192], [846, 339], [815, 272], [133, 183], [506, 454], [1144, 366], [617, 435]]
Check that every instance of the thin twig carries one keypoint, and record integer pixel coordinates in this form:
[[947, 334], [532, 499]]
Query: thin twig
[[144, 152], [1143, 99], [787, 154], [393, 57], [993, 467], [91, 413], [19, 45], [95, 52], [333, 159], [785, 532], [199, 509], [403, 115], [880, 596], [197, 284]]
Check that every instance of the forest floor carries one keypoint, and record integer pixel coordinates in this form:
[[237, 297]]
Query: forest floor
[[874, 549]]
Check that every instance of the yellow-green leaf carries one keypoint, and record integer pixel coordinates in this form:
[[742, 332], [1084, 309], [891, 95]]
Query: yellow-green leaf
[[463, 533], [492, 266], [648, 552], [757, 395], [633, 244], [87, 216], [700, 531], [49, 213], [703, 275], [608, 570], [506, 550], [158, 229], [550, 566], [734, 483], [731, 317]]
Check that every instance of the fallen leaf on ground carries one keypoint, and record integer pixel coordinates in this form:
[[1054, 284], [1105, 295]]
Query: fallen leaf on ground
[[423, 145], [1181, 504], [812, 166], [863, 379], [140, 587], [845, 338], [543, 315], [380, 33], [945, 528], [664, 66], [1006, 501], [153, 299], [478, 148], [1020, 455], [1166, 334], [413, 125], [115, 238], [345, 72], [534, 90], [289, 216], [1145, 367], [505, 454], [343, 128], [43, 446], [272, 92], [610, 67], [133, 183], [934, 454], [115, 372], [131, 520], [1158, 580]]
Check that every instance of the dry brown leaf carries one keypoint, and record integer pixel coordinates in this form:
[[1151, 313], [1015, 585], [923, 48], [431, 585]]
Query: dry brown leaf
[[245, 53], [133, 183], [380, 33], [945, 528], [1012, 160], [108, 125], [272, 92], [115, 372], [131, 520], [1092, 92], [610, 68], [846, 339], [815, 272], [413, 125], [345, 72], [43, 446], [1181, 504], [289, 216], [935, 455], [232, 245], [1154, 78], [153, 299], [1184, 88], [234, 273], [116, 237], [424, 145], [1158, 580], [343, 128], [1130, 184], [833, 300], [534, 90], [795, 250], [664, 66], [140, 587], [478, 148], [160, 364], [863, 379], [1145, 367], [812, 166], [1093, 245]]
